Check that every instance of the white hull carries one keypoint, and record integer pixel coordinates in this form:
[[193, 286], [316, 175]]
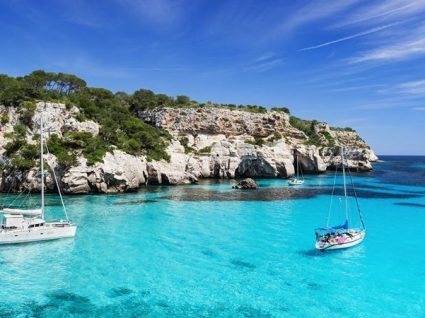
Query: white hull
[[49, 231], [356, 239], [295, 182]]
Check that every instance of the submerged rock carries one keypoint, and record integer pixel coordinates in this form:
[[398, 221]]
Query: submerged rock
[[247, 183]]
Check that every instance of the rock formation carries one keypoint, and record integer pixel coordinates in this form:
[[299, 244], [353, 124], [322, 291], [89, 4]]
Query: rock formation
[[246, 184], [206, 143]]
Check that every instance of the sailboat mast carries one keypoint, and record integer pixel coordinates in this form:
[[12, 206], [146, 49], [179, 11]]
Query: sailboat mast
[[345, 183], [296, 161], [42, 165]]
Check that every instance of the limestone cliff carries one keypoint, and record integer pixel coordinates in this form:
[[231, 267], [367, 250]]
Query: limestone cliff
[[205, 143], [232, 143]]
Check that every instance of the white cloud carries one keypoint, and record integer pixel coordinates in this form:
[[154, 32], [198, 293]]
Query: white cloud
[[384, 10], [413, 88], [160, 12], [350, 37], [265, 56], [313, 12], [264, 65], [406, 48], [355, 88]]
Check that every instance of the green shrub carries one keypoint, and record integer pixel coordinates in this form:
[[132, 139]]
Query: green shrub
[[68, 148], [276, 136], [60, 148], [205, 150], [20, 131], [281, 109], [343, 129], [307, 126], [21, 163], [4, 118], [256, 142], [11, 91], [119, 126], [17, 140], [329, 138], [80, 117], [184, 141], [182, 100], [27, 111], [23, 155], [30, 151], [313, 140], [158, 155]]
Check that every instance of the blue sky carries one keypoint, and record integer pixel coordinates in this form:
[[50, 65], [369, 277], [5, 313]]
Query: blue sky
[[358, 63]]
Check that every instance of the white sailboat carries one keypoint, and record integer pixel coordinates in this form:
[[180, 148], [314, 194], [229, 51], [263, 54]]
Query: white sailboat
[[297, 180], [341, 236], [29, 225]]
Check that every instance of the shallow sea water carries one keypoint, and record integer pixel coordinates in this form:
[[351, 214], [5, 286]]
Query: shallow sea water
[[209, 251]]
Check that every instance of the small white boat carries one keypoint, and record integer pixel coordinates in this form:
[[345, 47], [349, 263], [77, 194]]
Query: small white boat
[[341, 236], [297, 180], [29, 225]]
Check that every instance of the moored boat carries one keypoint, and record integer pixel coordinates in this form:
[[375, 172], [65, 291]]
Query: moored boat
[[345, 235], [29, 225], [297, 180]]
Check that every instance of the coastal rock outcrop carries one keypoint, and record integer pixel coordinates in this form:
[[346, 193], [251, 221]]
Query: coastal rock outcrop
[[205, 143], [246, 184], [119, 172], [216, 121], [58, 119], [223, 143]]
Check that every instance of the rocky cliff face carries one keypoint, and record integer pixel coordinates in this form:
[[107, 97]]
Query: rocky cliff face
[[224, 143], [206, 143]]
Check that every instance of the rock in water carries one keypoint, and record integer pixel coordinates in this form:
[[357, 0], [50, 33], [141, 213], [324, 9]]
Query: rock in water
[[247, 183]]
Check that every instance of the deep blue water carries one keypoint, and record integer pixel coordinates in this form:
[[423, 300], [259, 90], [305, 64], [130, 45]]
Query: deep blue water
[[209, 251]]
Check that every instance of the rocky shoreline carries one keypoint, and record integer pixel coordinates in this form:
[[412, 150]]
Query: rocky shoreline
[[205, 143]]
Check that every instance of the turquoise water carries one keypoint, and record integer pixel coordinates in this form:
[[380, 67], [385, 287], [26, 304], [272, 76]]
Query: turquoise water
[[209, 251]]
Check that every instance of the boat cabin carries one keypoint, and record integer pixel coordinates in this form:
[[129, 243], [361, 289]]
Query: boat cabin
[[21, 219]]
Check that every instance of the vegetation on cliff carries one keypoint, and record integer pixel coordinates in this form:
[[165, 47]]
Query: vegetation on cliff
[[22, 155], [117, 115], [114, 112], [317, 138], [119, 127], [146, 99]]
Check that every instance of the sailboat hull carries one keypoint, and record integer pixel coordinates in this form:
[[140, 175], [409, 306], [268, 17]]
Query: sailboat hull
[[356, 239], [49, 231], [295, 182]]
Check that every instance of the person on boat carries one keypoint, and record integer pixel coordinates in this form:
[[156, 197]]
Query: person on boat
[[330, 238], [341, 239]]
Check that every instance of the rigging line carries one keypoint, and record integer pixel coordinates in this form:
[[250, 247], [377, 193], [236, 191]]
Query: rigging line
[[9, 189], [26, 199], [345, 185], [17, 197], [299, 168], [332, 197], [57, 185], [357, 201]]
